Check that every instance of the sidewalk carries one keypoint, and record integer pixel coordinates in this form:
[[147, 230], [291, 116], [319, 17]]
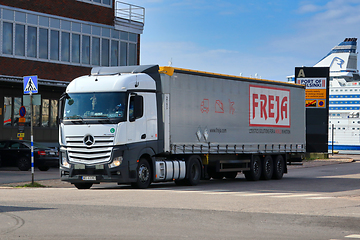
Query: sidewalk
[[333, 159]]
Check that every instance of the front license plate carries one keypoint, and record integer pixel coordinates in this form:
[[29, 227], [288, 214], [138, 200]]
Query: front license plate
[[89, 178]]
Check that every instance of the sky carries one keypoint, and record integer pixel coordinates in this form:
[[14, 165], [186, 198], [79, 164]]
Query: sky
[[258, 38]]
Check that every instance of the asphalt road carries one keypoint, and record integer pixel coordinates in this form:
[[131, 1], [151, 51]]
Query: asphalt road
[[318, 202], [14, 175]]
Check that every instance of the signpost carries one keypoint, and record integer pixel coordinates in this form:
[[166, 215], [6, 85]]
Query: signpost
[[31, 87], [21, 123], [316, 80]]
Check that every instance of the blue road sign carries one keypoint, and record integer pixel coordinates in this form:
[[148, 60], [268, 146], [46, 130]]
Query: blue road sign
[[22, 111], [30, 84]]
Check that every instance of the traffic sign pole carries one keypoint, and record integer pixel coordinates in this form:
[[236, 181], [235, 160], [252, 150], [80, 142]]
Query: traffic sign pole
[[31, 86], [32, 140]]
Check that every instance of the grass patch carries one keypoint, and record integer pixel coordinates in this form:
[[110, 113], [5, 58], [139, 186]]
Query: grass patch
[[31, 185]]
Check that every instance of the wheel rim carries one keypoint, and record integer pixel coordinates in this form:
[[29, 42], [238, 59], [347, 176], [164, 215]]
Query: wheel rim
[[268, 167], [23, 163], [256, 167], [144, 173], [279, 166]]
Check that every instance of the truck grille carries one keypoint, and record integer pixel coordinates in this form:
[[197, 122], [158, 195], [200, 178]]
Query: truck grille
[[99, 152]]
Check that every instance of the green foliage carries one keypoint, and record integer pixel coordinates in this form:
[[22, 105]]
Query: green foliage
[[31, 185]]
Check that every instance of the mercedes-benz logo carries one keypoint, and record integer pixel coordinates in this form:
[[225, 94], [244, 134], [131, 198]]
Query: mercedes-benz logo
[[89, 140]]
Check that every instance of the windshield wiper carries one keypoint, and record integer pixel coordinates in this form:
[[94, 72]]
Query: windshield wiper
[[101, 118], [75, 119]]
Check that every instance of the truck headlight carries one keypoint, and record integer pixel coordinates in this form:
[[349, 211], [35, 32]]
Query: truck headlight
[[116, 162], [64, 161]]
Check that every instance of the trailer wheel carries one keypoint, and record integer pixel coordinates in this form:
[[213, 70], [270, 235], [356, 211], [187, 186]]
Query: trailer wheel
[[279, 167], [143, 174], [193, 171], [267, 168], [255, 170], [83, 185]]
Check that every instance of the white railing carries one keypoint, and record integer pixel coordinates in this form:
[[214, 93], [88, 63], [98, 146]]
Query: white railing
[[129, 12]]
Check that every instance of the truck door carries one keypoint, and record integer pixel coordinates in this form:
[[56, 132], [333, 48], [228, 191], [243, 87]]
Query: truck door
[[136, 127]]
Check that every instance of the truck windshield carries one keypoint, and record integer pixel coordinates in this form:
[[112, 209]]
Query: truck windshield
[[104, 105]]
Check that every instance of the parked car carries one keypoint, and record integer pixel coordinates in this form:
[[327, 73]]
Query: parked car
[[18, 153]]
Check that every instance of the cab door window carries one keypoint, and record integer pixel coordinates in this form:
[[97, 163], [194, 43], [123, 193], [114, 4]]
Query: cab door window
[[136, 107]]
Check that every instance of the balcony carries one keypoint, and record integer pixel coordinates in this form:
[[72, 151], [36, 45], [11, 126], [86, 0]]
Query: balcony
[[129, 17]]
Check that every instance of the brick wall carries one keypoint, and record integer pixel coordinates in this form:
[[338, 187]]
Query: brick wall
[[48, 71], [66, 8]]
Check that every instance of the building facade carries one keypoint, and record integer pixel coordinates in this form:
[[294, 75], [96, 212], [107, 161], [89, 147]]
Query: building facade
[[58, 41]]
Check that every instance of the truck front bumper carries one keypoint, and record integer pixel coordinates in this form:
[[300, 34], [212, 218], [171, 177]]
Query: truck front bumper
[[95, 174]]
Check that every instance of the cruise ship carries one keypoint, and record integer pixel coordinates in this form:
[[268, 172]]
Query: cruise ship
[[344, 95]]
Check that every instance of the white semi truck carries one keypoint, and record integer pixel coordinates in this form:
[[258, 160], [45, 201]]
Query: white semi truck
[[144, 124]]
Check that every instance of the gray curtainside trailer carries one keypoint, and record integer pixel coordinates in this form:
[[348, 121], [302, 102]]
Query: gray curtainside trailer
[[143, 124]]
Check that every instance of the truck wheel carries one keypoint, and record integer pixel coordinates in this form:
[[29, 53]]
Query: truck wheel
[[279, 167], [83, 185], [143, 174], [193, 171], [23, 164], [267, 168], [255, 170]]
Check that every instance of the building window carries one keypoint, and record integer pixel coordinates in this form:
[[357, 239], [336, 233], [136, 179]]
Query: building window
[[7, 111], [114, 53], [43, 43], [56, 39], [54, 45], [105, 52], [75, 47], [36, 115], [45, 113], [7, 38], [17, 105], [32, 42], [105, 3], [53, 113], [123, 53], [65, 46], [85, 49], [95, 51], [132, 54], [19, 40]]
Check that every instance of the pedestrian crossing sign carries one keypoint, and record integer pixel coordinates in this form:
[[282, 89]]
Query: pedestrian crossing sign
[[30, 84]]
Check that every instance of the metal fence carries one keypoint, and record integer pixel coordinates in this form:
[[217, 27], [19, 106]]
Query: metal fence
[[129, 12]]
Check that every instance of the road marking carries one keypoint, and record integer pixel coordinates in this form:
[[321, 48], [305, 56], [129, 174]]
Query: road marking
[[261, 194], [218, 193], [296, 195], [319, 198], [351, 176], [353, 236]]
